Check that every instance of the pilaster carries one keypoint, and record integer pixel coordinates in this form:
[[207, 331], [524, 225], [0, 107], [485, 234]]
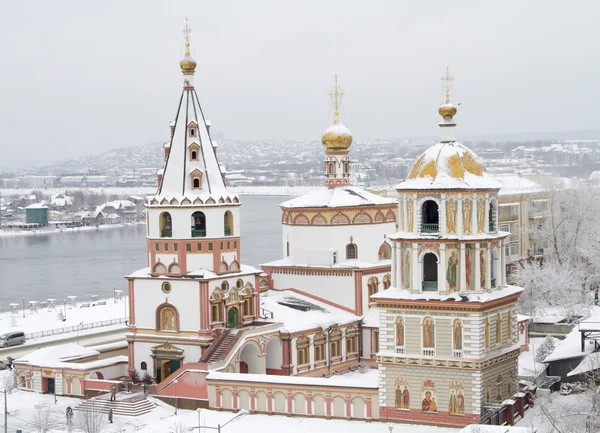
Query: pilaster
[[463, 268]]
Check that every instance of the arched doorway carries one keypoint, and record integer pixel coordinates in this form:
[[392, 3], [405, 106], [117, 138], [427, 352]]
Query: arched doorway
[[430, 272], [430, 217], [198, 224], [274, 357], [232, 317], [250, 360]]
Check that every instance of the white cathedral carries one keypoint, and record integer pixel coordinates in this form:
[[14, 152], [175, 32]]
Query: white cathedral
[[413, 291]]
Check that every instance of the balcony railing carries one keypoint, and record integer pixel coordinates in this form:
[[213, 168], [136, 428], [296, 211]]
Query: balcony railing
[[430, 228], [400, 350], [167, 233], [535, 252], [428, 351], [227, 231], [493, 283], [430, 286], [457, 354], [197, 233], [492, 227]]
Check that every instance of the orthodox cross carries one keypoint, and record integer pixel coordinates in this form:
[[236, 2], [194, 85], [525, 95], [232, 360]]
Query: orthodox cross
[[336, 94], [186, 36], [447, 80]]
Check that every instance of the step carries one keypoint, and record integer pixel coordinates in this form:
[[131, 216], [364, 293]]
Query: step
[[134, 405]]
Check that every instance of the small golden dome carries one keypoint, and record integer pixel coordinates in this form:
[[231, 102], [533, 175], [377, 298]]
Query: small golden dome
[[337, 137], [188, 64], [447, 111]]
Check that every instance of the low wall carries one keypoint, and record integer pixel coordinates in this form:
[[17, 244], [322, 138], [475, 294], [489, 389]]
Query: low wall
[[298, 396]]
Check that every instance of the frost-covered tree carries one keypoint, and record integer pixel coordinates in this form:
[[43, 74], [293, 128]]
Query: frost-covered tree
[[545, 349], [91, 420], [44, 418], [570, 233], [8, 381]]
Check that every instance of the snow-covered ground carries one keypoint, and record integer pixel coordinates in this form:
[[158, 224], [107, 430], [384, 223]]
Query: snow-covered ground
[[47, 319], [162, 419], [527, 366], [50, 231]]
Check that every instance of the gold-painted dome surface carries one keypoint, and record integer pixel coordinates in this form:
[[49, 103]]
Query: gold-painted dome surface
[[447, 111], [447, 159], [337, 137]]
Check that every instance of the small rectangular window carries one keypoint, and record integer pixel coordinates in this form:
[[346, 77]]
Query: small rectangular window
[[175, 246], [157, 247], [228, 245], [235, 245], [166, 247], [188, 247], [210, 246], [199, 246], [221, 246]]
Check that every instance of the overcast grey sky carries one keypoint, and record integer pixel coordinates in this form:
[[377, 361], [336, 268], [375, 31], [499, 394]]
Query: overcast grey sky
[[78, 76]]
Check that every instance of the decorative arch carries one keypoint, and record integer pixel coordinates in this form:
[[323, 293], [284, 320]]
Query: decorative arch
[[167, 318], [289, 218], [234, 266], [210, 201], [427, 248], [165, 225], [174, 201], [185, 201], [373, 285], [284, 217], [159, 268], [340, 218], [198, 224], [385, 251], [223, 267], [174, 268], [318, 220], [198, 201], [390, 215], [301, 220], [228, 223], [221, 200], [362, 218], [193, 150], [379, 217], [387, 281], [236, 200], [351, 251]]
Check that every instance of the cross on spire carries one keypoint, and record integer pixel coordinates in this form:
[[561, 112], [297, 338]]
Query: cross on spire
[[186, 35], [447, 80], [336, 94]]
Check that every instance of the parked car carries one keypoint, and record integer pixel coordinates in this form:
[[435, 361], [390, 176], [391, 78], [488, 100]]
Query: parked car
[[12, 339], [565, 390]]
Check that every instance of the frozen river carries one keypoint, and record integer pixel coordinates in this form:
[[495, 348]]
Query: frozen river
[[88, 263]]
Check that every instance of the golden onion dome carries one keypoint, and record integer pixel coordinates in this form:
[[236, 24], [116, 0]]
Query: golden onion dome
[[447, 111], [447, 160], [187, 64], [337, 137]]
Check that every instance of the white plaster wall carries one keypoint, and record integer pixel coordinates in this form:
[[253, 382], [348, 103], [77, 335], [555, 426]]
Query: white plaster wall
[[199, 260], [337, 289], [181, 219], [37, 381], [365, 284], [166, 259], [184, 296], [111, 371], [59, 384], [307, 241], [143, 350]]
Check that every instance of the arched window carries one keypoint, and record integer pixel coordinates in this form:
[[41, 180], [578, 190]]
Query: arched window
[[430, 272], [335, 342], [165, 225], [487, 332], [143, 366], [196, 183], [302, 345], [430, 217], [351, 252], [457, 338], [228, 223], [319, 343], [400, 335], [174, 268], [428, 336], [498, 329], [196, 177], [287, 247], [166, 318], [385, 251], [198, 224], [239, 284], [330, 168], [194, 155], [159, 268], [346, 167]]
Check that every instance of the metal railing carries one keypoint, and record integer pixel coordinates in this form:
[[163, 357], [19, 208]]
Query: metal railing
[[493, 283], [430, 286], [492, 227], [400, 350], [428, 351], [227, 231], [457, 354], [167, 233], [430, 228], [67, 329], [198, 233], [535, 252]]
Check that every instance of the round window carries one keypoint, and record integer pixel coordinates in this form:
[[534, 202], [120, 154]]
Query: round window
[[166, 287]]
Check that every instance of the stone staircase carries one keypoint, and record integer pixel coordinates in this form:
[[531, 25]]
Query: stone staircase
[[127, 404], [222, 348]]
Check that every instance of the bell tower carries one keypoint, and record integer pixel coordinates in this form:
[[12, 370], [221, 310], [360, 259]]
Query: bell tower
[[193, 221]]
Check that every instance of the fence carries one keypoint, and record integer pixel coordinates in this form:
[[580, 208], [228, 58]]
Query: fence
[[75, 328]]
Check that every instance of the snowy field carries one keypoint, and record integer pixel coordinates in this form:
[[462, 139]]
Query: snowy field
[[47, 319], [163, 419], [50, 231]]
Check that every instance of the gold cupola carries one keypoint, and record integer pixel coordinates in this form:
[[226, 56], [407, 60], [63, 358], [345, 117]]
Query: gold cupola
[[187, 64], [337, 136]]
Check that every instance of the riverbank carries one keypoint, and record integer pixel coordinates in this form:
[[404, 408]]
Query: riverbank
[[50, 231]]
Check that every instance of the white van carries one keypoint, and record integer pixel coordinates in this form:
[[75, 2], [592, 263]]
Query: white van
[[12, 339]]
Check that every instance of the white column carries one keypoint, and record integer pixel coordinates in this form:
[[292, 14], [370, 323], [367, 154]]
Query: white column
[[415, 214], [459, 215], [417, 270], [463, 269], [394, 265], [442, 269], [486, 226], [503, 270], [474, 215], [499, 266], [399, 270], [442, 219], [405, 213], [488, 267], [476, 262]]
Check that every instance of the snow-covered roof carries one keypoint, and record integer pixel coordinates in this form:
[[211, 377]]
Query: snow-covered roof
[[174, 182], [344, 264], [592, 323], [433, 236], [307, 314], [348, 196], [479, 428], [528, 367], [394, 293], [448, 165], [590, 363], [522, 318], [37, 206], [570, 347], [371, 319], [200, 273], [516, 184], [57, 354]]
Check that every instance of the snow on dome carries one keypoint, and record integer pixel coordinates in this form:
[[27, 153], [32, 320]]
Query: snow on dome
[[448, 165], [337, 197], [337, 137]]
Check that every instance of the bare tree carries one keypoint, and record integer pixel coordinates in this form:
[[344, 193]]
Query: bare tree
[[44, 418], [8, 381], [91, 420], [178, 427]]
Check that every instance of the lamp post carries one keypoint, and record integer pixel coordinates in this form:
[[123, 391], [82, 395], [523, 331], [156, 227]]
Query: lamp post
[[175, 383], [65, 302], [78, 331], [199, 423], [114, 294]]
